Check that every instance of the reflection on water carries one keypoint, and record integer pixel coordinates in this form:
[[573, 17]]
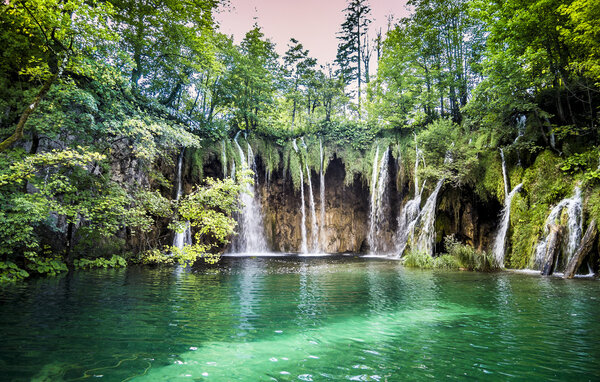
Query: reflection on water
[[291, 318]]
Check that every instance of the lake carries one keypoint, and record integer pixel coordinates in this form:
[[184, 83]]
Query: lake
[[290, 318]]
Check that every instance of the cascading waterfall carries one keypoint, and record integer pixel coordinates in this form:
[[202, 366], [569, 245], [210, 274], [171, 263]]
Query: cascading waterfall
[[181, 238], [574, 227], [378, 207], [224, 158], [504, 175], [406, 223], [314, 231], [372, 201], [426, 223], [500, 241], [304, 245], [251, 238], [521, 123], [322, 194], [410, 212]]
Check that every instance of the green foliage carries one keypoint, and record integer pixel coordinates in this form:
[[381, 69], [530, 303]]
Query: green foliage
[[592, 205], [114, 262], [345, 133], [10, 272], [446, 261], [544, 182], [527, 221], [416, 259], [209, 209], [469, 258], [586, 163], [544, 185]]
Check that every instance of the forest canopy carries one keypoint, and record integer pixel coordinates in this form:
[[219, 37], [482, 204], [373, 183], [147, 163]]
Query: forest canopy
[[93, 90]]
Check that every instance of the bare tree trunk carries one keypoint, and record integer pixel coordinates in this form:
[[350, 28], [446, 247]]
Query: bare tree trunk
[[584, 248], [552, 249]]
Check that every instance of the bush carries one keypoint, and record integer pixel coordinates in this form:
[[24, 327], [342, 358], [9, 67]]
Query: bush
[[469, 258], [416, 259], [114, 262], [446, 261]]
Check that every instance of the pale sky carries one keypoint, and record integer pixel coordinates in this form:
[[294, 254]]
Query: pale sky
[[314, 23]]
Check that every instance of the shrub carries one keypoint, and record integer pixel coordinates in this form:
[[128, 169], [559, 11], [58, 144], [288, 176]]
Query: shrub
[[416, 259], [446, 261], [469, 258]]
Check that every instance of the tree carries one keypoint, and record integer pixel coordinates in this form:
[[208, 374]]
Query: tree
[[164, 43], [298, 71], [433, 57], [352, 40], [41, 40], [252, 80]]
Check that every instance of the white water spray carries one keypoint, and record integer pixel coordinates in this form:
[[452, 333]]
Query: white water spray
[[378, 205], [500, 241], [574, 227], [181, 238], [322, 194], [304, 245], [314, 231], [426, 223], [251, 238], [504, 175]]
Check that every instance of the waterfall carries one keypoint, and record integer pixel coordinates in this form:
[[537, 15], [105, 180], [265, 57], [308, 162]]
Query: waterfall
[[406, 223], [378, 208], [574, 227], [181, 238], [251, 237], [322, 194], [426, 223], [410, 211], [504, 175], [521, 123], [373, 200], [500, 241], [224, 158], [304, 246], [314, 231]]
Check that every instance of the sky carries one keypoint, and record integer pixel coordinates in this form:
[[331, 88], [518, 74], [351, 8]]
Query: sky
[[314, 23]]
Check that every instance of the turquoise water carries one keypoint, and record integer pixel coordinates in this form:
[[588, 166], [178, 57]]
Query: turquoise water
[[290, 319]]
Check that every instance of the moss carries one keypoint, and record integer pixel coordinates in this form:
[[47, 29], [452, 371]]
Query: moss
[[543, 186], [194, 160], [269, 152], [527, 222], [489, 182], [544, 182], [294, 166], [592, 205]]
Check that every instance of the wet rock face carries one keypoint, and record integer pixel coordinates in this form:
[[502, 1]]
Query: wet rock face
[[461, 214], [346, 225], [346, 212]]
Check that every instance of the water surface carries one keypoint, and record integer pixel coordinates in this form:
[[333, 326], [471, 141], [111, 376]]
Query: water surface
[[299, 318]]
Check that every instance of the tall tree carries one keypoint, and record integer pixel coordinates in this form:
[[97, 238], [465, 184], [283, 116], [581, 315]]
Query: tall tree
[[298, 69], [352, 38], [163, 43], [252, 80]]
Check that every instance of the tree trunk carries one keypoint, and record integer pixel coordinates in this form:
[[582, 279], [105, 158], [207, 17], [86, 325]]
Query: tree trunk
[[18, 134], [584, 248], [552, 249]]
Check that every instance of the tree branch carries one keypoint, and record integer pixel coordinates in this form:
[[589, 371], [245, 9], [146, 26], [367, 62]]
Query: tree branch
[[18, 134]]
